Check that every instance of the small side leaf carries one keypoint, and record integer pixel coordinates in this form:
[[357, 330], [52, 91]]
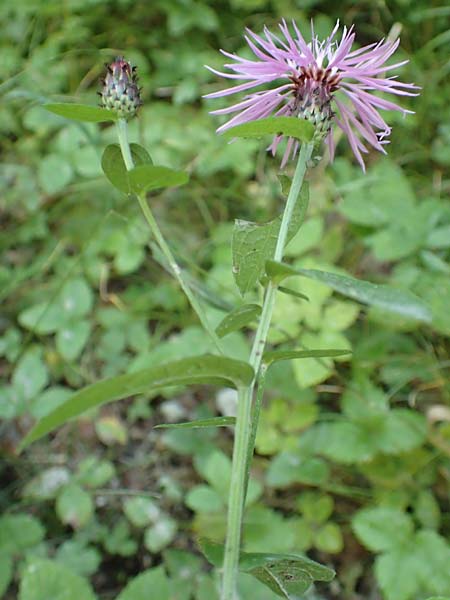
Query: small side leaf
[[145, 178], [82, 112], [389, 298], [277, 355], [294, 293], [114, 167], [284, 574], [200, 423], [238, 318], [289, 126], [253, 244], [206, 369]]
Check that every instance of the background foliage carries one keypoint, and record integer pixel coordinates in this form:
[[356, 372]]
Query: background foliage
[[353, 457]]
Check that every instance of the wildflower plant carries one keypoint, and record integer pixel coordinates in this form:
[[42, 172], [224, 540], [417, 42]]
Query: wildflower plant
[[296, 90]]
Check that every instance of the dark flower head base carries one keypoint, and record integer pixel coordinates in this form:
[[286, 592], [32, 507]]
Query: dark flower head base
[[120, 91], [321, 81]]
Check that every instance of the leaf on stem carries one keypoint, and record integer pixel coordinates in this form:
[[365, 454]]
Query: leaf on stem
[[114, 167], [238, 318], [277, 355], [284, 574], [253, 244], [289, 126], [200, 423], [206, 369], [82, 112], [145, 178], [392, 299], [294, 293]]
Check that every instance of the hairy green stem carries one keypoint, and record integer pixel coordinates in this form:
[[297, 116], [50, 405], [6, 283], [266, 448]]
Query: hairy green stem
[[245, 430], [122, 133]]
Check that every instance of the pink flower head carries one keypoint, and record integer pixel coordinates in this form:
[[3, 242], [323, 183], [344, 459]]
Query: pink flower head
[[322, 81]]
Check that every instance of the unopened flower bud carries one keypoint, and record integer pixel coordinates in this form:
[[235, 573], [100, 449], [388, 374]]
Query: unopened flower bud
[[120, 91]]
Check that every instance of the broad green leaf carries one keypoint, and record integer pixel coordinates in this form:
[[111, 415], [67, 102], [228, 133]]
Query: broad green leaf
[[289, 126], [19, 532], [288, 468], [82, 112], [253, 244], [111, 430], [207, 369], [382, 528], [199, 423], [275, 355], [329, 539], [30, 375], [49, 580], [145, 178], [46, 484], [284, 574], [93, 472], [203, 498], [141, 511], [149, 584], [238, 318], [160, 534], [74, 506], [386, 297], [72, 338], [396, 572], [79, 557], [114, 167]]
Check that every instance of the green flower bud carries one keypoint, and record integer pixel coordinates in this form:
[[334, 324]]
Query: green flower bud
[[120, 91]]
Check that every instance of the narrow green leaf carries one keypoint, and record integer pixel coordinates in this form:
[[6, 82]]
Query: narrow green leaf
[[206, 369], [276, 355], [253, 244], [289, 126], [389, 298], [213, 422], [114, 167], [238, 318], [290, 292], [145, 178], [82, 112], [284, 574]]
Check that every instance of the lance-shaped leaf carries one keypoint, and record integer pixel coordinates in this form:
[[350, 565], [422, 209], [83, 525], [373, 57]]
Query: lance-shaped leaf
[[82, 112], [114, 167], [207, 369], [238, 318], [252, 244], [200, 423], [387, 297], [275, 355], [287, 575], [288, 126], [289, 292]]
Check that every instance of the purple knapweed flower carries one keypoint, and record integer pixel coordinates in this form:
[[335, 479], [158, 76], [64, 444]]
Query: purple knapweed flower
[[324, 82]]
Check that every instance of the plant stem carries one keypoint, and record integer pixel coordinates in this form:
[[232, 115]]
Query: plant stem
[[245, 430], [122, 133]]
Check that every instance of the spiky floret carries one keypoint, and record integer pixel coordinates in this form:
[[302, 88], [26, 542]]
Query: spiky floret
[[121, 92], [322, 81]]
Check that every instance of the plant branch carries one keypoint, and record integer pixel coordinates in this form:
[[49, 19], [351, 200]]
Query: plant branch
[[122, 132]]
